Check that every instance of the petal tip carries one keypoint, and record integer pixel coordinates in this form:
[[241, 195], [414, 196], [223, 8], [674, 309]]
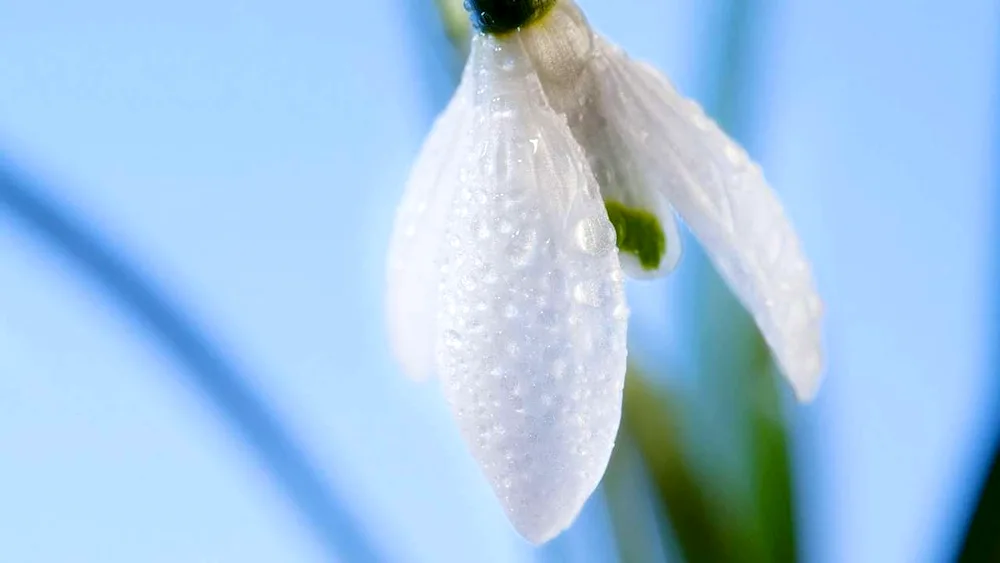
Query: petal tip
[[538, 527], [806, 382], [540, 536], [806, 394]]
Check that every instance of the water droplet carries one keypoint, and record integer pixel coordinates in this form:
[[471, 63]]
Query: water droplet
[[481, 229], [591, 293], [559, 369], [595, 236], [468, 283], [735, 155], [621, 312], [509, 62], [547, 318], [474, 325], [452, 339], [698, 117], [513, 350], [521, 247]]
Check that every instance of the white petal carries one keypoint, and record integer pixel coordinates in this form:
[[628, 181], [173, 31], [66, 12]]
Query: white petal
[[532, 348], [562, 46], [722, 195], [413, 273]]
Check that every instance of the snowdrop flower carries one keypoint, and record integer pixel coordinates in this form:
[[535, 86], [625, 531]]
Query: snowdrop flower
[[556, 169]]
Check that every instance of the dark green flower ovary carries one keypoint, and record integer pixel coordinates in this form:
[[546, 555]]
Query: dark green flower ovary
[[498, 17], [639, 233]]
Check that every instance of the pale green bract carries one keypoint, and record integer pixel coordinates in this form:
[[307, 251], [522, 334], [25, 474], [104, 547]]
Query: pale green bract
[[504, 278]]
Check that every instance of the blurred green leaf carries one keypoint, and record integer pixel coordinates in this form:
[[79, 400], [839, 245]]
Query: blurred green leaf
[[772, 470], [649, 420], [635, 514]]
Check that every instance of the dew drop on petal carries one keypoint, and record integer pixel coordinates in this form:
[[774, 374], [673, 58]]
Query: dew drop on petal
[[490, 275], [554, 282], [481, 229], [521, 247], [621, 312], [559, 369], [734, 154], [453, 339], [468, 283], [513, 349], [590, 293], [506, 227], [547, 318], [595, 237]]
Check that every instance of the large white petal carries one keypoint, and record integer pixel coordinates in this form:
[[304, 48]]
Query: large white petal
[[723, 197], [532, 351], [413, 273]]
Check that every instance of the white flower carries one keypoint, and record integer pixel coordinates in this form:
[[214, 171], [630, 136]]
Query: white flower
[[504, 274]]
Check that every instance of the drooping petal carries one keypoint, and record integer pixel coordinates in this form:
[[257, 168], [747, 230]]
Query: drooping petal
[[413, 273], [723, 197], [532, 352], [562, 47]]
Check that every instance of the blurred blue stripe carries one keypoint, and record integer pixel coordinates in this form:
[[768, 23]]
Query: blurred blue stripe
[[247, 413], [980, 541]]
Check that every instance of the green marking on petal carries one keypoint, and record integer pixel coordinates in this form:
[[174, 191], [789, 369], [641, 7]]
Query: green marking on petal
[[639, 233]]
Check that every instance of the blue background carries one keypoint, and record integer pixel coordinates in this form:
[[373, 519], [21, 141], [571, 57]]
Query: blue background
[[248, 156]]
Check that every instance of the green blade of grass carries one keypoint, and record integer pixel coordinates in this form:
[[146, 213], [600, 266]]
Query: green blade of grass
[[771, 462], [650, 421]]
